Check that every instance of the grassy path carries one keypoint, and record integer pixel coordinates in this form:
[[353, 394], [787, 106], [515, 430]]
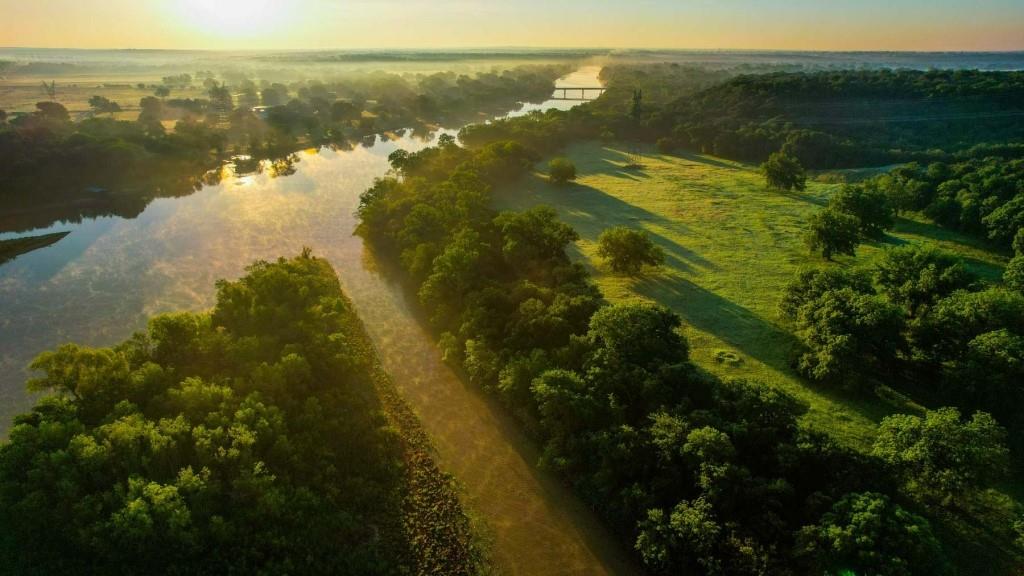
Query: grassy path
[[534, 525], [731, 246]]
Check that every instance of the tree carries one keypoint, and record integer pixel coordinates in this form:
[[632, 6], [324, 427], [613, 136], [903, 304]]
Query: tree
[[561, 170], [914, 276], [104, 106], [830, 232], [534, 237], [940, 456], [162, 92], [628, 251], [784, 172], [868, 205], [867, 533], [341, 110], [53, 111], [683, 541], [1014, 274], [810, 284], [849, 337]]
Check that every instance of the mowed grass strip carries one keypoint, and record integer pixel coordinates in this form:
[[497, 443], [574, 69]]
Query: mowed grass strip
[[731, 247]]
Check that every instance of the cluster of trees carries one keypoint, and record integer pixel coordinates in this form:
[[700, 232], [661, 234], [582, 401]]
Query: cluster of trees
[[249, 439], [699, 475], [916, 320], [49, 159], [983, 197]]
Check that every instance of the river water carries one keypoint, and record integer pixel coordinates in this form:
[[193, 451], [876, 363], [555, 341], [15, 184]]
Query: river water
[[101, 283]]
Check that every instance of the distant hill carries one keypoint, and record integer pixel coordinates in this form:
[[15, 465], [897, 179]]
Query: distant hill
[[852, 118]]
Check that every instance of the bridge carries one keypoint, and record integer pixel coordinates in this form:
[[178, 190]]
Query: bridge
[[577, 93]]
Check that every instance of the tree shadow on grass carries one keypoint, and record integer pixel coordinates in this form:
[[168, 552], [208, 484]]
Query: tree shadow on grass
[[939, 234], [801, 197], [700, 159], [748, 333], [590, 211]]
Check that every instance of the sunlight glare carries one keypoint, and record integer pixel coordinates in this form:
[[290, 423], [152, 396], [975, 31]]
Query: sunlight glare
[[232, 18]]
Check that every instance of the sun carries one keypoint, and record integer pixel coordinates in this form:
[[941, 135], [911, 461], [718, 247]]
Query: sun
[[232, 18]]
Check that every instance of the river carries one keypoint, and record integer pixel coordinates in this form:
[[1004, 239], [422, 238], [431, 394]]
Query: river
[[101, 283]]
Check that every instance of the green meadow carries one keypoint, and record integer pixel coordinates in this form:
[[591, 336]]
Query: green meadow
[[731, 246]]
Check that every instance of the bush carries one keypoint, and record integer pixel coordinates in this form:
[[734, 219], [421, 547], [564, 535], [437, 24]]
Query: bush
[[666, 145], [628, 251], [561, 171]]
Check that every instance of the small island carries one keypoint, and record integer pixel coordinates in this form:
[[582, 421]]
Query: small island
[[14, 247]]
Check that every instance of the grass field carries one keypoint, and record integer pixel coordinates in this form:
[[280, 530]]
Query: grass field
[[731, 247]]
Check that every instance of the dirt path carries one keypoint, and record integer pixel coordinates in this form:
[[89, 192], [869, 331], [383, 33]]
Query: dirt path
[[537, 526]]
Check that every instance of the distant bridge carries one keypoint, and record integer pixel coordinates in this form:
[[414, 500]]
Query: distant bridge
[[577, 93]]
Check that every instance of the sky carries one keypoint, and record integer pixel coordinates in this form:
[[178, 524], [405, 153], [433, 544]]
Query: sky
[[378, 24]]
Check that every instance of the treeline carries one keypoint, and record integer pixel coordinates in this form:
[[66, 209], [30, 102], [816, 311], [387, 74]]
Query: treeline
[[247, 440], [982, 197], [698, 475], [848, 118]]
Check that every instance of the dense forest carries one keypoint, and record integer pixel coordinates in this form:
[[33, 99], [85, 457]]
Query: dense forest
[[697, 474], [258, 438], [850, 118]]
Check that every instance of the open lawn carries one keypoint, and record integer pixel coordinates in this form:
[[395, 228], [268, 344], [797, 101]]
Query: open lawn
[[731, 247]]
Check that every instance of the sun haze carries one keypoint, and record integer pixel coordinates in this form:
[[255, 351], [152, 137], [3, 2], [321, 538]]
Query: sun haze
[[322, 24]]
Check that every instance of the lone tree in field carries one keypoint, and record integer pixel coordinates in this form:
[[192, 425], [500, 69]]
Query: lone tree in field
[[561, 171], [784, 172], [162, 92], [831, 232], [628, 251]]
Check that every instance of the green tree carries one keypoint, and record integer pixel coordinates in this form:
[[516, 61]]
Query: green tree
[[628, 251], [867, 533], [162, 92], [849, 337], [1013, 276], [535, 237], [941, 456], [784, 172], [830, 232], [561, 170], [914, 276], [868, 204]]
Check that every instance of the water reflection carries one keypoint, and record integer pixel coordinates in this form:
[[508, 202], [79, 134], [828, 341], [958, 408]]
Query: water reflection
[[104, 280]]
